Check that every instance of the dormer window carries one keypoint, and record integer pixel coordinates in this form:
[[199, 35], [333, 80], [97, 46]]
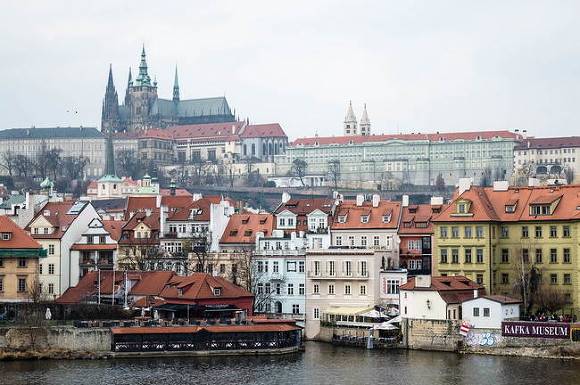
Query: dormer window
[[248, 233], [386, 218], [510, 208], [46, 213], [6, 236], [217, 291], [180, 292], [540, 210], [342, 219], [364, 219], [461, 208], [245, 220]]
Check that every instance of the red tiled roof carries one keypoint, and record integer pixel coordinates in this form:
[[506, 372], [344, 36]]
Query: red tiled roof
[[242, 228], [199, 286], [135, 204], [200, 206], [547, 143], [19, 239], [414, 214], [57, 216], [263, 130], [489, 205], [375, 215], [199, 132], [151, 282], [152, 221], [498, 298], [114, 228], [448, 283], [93, 246], [437, 137]]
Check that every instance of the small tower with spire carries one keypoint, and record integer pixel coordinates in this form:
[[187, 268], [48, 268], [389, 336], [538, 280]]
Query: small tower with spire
[[365, 123], [141, 97], [350, 124], [176, 87]]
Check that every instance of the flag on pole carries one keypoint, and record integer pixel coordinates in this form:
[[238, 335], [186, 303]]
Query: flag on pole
[[464, 328]]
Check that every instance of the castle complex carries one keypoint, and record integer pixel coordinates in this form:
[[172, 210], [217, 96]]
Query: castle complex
[[143, 109]]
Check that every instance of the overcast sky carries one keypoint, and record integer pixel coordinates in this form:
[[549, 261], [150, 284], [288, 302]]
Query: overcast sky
[[420, 66]]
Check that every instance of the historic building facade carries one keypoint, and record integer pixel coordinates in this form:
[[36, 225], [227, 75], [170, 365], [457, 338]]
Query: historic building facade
[[388, 161], [142, 108]]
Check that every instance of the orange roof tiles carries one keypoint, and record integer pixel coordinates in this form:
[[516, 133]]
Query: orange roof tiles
[[263, 130], [242, 228], [547, 143], [19, 239], [417, 214], [490, 205], [448, 283], [114, 228], [56, 214], [354, 215]]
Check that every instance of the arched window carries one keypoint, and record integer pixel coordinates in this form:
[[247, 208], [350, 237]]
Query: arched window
[[253, 149], [270, 149]]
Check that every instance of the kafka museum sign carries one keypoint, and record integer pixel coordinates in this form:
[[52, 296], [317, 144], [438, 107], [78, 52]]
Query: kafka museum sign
[[535, 329]]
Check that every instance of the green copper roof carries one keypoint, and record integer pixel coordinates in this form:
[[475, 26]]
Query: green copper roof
[[13, 200], [51, 133], [143, 79], [46, 183], [110, 178]]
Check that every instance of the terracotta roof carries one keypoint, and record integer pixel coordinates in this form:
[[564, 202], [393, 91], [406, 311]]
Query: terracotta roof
[[417, 214], [306, 206], [448, 283], [548, 143], [19, 239], [199, 132], [242, 228], [56, 214], [200, 207], [198, 286], [490, 205], [135, 204], [263, 130], [114, 228], [375, 215], [163, 285], [177, 201], [437, 137]]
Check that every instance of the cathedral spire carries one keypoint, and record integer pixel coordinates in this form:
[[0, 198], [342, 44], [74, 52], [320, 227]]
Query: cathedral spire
[[143, 78], [350, 121], [110, 110], [110, 83], [365, 123], [176, 87]]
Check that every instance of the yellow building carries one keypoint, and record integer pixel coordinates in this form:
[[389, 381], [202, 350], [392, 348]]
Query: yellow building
[[19, 255], [497, 236]]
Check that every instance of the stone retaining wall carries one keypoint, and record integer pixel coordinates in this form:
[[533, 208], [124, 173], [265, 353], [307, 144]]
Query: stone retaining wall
[[431, 334], [59, 338]]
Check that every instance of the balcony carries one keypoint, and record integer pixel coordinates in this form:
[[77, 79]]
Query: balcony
[[277, 276], [363, 275], [186, 235], [280, 252]]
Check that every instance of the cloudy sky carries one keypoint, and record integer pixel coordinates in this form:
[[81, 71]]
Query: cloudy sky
[[420, 66]]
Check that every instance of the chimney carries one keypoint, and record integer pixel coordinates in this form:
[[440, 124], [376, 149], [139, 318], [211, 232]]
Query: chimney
[[196, 197], [464, 185], [162, 215], [501, 185], [147, 212], [376, 200], [285, 197], [423, 281], [475, 293], [405, 200], [436, 201], [360, 198], [158, 201]]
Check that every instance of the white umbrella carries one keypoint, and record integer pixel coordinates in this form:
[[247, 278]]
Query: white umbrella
[[385, 326], [48, 314]]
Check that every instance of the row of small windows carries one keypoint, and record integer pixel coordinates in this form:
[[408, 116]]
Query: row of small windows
[[455, 232], [554, 280], [539, 255]]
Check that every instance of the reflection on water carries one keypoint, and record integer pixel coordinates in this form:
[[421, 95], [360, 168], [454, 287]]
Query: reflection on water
[[320, 364]]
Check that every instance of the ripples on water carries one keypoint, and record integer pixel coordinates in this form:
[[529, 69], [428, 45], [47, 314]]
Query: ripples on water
[[320, 364]]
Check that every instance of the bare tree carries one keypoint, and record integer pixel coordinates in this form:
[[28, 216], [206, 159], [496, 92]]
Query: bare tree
[[298, 170], [8, 162], [550, 299], [526, 284], [74, 167], [24, 166], [334, 172]]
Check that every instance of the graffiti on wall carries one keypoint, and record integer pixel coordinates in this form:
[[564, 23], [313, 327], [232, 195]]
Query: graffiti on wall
[[484, 339]]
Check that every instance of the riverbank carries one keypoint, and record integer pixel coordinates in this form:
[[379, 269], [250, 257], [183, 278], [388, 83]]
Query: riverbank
[[51, 354]]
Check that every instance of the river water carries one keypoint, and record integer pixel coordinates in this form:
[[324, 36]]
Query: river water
[[320, 364]]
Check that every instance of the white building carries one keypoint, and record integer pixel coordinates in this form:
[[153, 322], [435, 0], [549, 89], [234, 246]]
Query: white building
[[488, 312], [436, 298], [548, 157], [57, 226], [390, 283]]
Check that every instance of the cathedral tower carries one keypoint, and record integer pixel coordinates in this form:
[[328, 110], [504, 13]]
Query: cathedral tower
[[110, 110], [365, 123], [350, 125], [141, 95]]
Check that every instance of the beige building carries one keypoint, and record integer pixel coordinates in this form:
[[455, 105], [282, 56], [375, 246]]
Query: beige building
[[19, 256], [338, 279]]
